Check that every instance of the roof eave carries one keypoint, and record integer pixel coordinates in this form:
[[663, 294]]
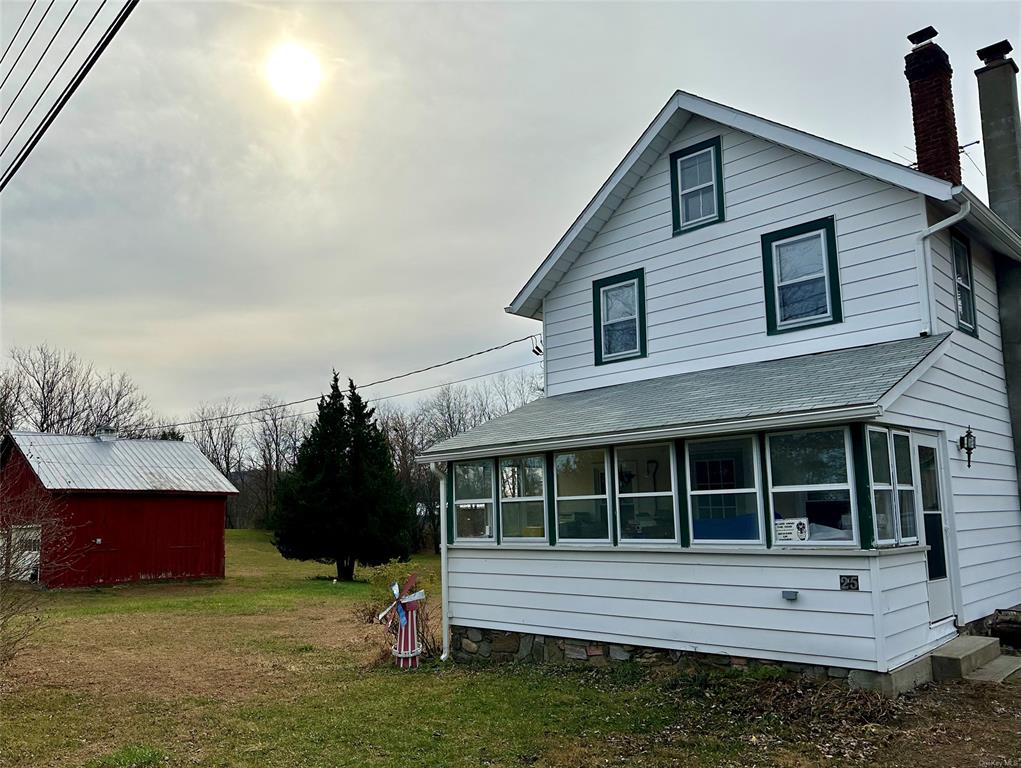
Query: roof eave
[[998, 233]]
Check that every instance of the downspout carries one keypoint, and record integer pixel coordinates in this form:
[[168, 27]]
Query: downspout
[[929, 313], [444, 584]]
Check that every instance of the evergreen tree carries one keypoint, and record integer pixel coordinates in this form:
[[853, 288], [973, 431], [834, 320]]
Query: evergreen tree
[[342, 503]]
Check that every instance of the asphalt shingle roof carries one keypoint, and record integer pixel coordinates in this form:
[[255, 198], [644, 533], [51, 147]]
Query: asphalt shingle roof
[[86, 463], [843, 378]]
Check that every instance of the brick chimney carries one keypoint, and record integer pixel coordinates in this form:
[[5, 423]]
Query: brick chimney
[[1001, 131], [928, 71]]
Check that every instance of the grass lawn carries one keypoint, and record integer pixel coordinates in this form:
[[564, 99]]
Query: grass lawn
[[272, 667]]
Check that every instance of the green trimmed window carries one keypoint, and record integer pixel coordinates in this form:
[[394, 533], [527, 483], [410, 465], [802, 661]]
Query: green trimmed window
[[964, 285], [523, 497], [802, 277], [646, 503], [582, 495], [696, 185], [618, 317], [473, 500], [724, 502]]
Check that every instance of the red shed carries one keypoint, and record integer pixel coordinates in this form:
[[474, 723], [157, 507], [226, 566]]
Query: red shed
[[134, 509]]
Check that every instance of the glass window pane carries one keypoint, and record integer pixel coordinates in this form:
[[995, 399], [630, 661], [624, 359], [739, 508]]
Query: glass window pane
[[582, 473], [620, 337], [725, 517], [582, 519], [961, 263], [523, 519], [885, 527], [473, 480], [797, 259], [522, 476], [802, 300], [879, 454], [825, 514], [929, 478], [966, 306], [473, 521], [808, 458], [936, 557], [722, 464], [620, 301], [696, 169], [908, 515], [698, 204], [644, 469], [647, 517], [902, 458]]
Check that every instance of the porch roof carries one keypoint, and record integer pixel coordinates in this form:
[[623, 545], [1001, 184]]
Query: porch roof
[[828, 387]]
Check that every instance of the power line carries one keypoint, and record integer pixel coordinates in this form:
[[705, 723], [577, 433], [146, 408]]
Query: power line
[[18, 31], [68, 91], [52, 78], [41, 57], [25, 46]]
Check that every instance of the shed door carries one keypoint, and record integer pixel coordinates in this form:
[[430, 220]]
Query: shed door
[[932, 495]]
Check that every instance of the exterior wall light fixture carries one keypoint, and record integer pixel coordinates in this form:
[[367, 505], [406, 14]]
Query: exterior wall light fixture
[[966, 443]]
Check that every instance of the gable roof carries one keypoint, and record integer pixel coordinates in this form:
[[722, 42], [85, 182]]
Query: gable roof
[[680, 108], [827, 387], [86, 463]]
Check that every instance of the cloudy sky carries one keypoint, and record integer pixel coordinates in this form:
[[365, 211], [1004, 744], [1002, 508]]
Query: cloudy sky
[[182, 222]]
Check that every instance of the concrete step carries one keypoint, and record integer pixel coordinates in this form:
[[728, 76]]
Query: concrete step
[[962, 656], [997, 670]]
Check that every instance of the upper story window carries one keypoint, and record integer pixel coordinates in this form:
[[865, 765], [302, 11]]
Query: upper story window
[[618, 317], [802, 277], [696, 184], [964, 285], [473, 500]]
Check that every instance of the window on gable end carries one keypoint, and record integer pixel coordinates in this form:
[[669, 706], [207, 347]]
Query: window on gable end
[[696, 185], [964, 287], [618, 317]]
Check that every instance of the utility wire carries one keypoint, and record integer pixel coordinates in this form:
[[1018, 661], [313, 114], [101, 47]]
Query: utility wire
[[52, 78], [41, 57], [18, 31], [68, 91], [25, 46]]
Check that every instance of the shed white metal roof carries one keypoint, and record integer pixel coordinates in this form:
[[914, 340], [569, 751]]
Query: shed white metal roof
[[87, 463]]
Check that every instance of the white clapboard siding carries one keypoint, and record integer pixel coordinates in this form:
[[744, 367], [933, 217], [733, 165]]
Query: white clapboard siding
[[966, 387], [693, 601], [904, 609], [704, 289]]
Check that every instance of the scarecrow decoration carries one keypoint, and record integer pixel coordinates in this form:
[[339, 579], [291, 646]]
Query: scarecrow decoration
[[403, 612]]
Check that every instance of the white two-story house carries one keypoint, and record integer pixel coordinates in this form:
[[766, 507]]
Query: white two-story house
[[767, 356]]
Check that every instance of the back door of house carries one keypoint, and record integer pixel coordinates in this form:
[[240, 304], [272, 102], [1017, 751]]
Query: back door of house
[[932, 500]]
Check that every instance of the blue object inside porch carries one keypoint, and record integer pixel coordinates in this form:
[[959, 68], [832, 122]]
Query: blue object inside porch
[[737, 528]]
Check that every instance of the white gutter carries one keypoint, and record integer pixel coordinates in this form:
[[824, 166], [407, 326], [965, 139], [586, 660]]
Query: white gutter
[[929, 313], [444, 584]]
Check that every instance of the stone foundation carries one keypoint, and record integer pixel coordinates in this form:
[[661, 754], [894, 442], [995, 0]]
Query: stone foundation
[[489, 645]]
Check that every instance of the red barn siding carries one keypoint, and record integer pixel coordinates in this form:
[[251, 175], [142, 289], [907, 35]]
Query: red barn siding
[[118, 537]]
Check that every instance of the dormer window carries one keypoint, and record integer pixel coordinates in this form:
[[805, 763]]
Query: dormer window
[[964, 285], [618, 317], [696, 182], [802, 277]]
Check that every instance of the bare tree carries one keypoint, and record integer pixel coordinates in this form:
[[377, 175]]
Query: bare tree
[[11, 385], [34, 537], [274, 435], [221, 439], [406, 432]]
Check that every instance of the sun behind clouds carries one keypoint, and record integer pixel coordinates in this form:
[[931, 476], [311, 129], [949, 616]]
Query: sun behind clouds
[[293, 72]]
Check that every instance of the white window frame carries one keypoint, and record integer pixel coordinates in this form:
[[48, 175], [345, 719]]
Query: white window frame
[[491, 538], [681, 191], [757, 491], [603, 322], [825, 274], [895, 487], [905, 541], [968, 285], [517, 499], [557, 498], [651, 494], [854, 541]]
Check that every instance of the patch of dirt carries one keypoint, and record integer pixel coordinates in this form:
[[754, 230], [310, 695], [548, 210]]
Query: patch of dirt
[[222, 657]]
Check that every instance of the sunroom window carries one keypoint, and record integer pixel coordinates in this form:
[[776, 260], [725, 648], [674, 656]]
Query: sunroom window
[[618, 305], [646, 504], [696, 180], [802, 279], [581, 495], [893, 489], [810, 487], [523, 497], [964, 285], [473, 500], [723, 490]]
